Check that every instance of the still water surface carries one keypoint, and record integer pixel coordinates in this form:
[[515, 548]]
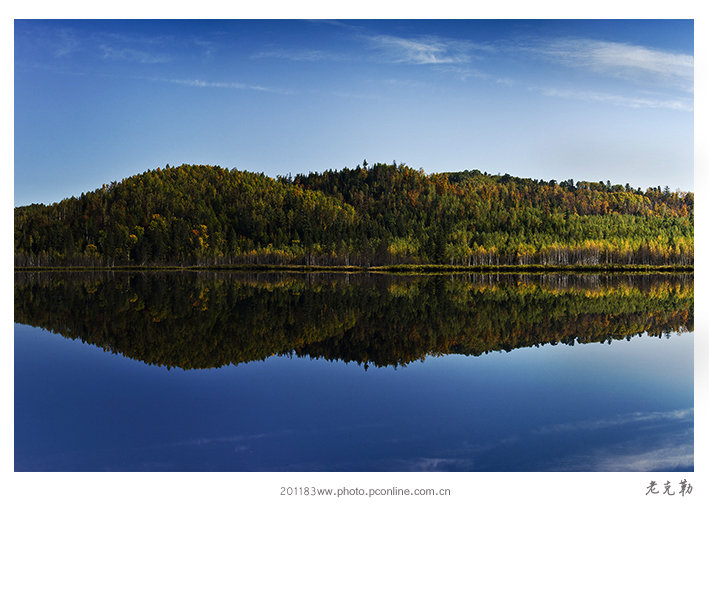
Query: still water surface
[[331, 372]]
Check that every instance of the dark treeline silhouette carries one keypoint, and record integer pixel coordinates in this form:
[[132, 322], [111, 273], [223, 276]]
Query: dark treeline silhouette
[[203, 319], [369, 215]]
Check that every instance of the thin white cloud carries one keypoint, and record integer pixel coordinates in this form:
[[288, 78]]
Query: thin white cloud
[[400, 82], [466, 72], [134, 40], [68, 43], [659, 441], [357, 95], [667, 457], [429, 50], [111, 52], [234, 85], [622, 60], [415, 52], [437, 464], [424, 50], [634, 102], [208, 48], [679, 415], [505, 81], [301, 55], [207, 441]]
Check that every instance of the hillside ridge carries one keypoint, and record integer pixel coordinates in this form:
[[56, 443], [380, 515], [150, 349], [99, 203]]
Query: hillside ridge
[[383, 214]]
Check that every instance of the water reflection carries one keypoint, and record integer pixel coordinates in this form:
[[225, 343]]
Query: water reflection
[[462, 372], [211, 319]]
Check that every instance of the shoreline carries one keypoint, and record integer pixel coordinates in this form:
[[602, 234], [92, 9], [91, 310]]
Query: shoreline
[[395, 269]]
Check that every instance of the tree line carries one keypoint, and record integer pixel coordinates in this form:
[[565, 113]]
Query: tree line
[[382, 214]]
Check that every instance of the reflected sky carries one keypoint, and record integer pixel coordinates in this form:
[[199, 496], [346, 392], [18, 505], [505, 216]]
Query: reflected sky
[[623, 406]]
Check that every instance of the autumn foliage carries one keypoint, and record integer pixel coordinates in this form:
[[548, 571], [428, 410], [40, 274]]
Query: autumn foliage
[[383, 214]]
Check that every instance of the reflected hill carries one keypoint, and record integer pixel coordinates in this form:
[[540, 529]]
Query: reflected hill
[[202, 319]]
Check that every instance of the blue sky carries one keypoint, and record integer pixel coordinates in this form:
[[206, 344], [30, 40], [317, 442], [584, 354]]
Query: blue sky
[[96, 101]]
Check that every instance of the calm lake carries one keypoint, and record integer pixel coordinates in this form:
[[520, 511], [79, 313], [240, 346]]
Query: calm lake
[[229, 371]]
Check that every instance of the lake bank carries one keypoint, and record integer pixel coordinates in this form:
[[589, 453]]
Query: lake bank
[[403, 269]]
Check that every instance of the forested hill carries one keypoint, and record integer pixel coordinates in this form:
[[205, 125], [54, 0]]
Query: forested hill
[[369, 215]]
